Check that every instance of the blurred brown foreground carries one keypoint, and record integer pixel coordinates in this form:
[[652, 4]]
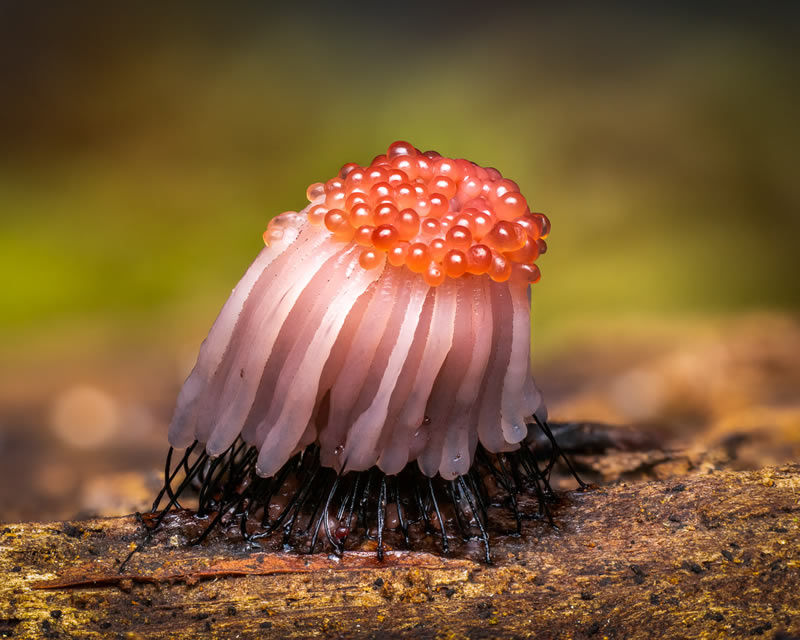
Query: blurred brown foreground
[[691, 396]]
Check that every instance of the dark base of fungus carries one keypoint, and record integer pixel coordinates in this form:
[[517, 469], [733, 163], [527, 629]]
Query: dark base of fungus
[[306, 507]]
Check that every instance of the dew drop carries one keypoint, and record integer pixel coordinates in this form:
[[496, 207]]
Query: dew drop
[[338, 450], [342, 531]]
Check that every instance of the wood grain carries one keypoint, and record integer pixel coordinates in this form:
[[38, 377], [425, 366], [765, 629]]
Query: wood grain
[[712, 555]]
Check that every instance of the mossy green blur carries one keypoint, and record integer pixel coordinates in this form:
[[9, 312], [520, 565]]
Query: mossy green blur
[[137, 178]]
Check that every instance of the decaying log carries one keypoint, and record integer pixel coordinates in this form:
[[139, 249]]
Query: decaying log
[[712, 555]]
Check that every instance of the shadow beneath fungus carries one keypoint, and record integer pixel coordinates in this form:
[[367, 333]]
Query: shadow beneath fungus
[[305, 506]]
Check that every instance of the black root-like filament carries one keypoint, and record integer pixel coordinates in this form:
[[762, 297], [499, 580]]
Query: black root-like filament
[[306, 507]]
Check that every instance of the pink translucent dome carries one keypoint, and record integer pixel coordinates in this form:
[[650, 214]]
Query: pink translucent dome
[[388, 322]]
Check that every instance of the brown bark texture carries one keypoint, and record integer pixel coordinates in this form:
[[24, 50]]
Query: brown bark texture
[[707, 555]]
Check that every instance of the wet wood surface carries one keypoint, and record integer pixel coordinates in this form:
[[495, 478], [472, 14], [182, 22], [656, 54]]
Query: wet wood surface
[[713, 554]]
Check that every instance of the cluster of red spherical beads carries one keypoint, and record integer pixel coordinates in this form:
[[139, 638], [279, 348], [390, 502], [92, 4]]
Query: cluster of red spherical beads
[[438, 216]]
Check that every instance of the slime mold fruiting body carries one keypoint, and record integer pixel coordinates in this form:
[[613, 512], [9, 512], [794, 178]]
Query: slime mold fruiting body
[[381, 338]]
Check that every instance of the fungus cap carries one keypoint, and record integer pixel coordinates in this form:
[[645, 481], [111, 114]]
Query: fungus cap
[[388, 322]]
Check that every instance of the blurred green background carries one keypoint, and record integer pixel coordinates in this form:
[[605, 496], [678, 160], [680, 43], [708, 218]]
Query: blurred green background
[[144, 147]]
